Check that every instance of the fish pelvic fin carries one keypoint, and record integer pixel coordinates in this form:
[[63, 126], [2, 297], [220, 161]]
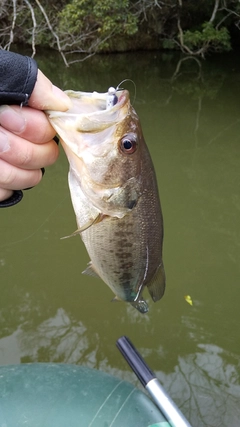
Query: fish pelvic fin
[[156, 286], [141, 305], [90, 271], [85, 226]]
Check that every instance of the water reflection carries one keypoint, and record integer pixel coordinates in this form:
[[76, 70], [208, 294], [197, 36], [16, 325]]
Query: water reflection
[[208, 383], [50, 312], [205, 384]]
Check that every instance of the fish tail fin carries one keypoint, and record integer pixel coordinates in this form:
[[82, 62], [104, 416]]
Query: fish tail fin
[[156, 286], [140, 305]]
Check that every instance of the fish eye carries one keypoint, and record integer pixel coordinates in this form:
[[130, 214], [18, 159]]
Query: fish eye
[[128, 144]]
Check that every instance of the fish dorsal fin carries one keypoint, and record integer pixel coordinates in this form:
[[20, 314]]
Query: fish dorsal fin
[[85, 226], [156, 286], [90, 271]]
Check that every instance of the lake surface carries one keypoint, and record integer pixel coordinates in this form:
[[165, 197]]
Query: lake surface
[[49, 311]]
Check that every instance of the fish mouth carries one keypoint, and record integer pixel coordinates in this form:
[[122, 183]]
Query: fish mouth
[[91, 103], [90, 111]]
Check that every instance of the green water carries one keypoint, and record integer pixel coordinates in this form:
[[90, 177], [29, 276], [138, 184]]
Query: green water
[[50, 312]]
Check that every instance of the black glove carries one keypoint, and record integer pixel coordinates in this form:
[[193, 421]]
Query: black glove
[[18, 75]]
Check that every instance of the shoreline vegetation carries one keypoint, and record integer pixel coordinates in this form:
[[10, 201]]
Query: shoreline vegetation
[[86, 27]]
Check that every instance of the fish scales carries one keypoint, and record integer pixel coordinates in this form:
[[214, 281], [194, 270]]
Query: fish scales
[[114, 194], [120, 259]]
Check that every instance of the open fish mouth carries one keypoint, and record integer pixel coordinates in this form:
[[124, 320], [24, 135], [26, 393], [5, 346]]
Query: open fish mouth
[[91, 122], [93, 111]]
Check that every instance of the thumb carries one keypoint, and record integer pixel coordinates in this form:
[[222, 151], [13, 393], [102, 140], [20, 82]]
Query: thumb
[[46, 96]]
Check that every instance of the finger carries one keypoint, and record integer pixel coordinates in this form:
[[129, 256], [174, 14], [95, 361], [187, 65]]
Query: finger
[[5, 194], [13, 178], [46, 96], [30, 124], [24, 154]]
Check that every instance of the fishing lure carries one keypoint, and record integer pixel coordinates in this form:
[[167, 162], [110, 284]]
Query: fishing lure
[[112, 98]]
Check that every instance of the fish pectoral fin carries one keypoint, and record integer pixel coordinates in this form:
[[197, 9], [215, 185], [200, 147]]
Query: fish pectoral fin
[[156, 286], [85, 226], [90, 271]]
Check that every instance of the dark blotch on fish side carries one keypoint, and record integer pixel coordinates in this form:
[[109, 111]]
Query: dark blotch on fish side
[[120, 234], [127, 265], [126, 255], [126, 276], [126, 244]]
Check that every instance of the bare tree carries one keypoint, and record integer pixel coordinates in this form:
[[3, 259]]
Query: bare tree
[[36, 22]]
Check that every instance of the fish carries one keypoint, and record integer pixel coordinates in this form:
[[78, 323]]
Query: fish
[[114, 193]]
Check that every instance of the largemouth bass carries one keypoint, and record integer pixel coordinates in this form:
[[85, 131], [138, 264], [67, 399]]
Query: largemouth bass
[[114, 193]]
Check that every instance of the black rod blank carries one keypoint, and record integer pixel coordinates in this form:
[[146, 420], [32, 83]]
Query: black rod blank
[[149, 380]]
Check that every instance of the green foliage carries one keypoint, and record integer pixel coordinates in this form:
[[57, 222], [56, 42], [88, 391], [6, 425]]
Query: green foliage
[[168, 44], [98, 21], [90, 26], [208, 36]]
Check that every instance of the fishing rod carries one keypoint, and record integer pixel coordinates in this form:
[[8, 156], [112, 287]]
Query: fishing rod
[[150, 382]]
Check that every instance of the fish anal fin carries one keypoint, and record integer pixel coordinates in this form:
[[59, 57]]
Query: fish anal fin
[[156, 286], [90, 271], [116, 299], [85, 226]]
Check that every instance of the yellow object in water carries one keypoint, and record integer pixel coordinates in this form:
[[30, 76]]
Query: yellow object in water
[[188, 299]]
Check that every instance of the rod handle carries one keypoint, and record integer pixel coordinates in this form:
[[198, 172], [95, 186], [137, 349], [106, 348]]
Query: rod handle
[[135, 360]]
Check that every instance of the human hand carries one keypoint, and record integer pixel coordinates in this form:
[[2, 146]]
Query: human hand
[[26, 137]]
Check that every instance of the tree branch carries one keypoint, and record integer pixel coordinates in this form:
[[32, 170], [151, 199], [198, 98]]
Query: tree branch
[[34, 26], [52, 31], [214, 12], [8, 45]]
